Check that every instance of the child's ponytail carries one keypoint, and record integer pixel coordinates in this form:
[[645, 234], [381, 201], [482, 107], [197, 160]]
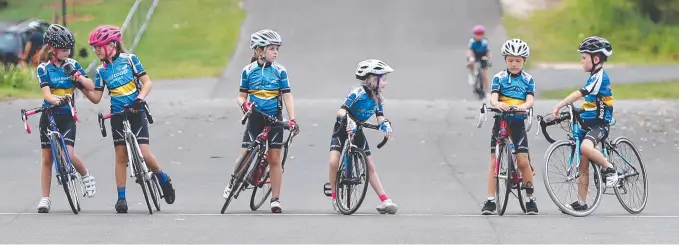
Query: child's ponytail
[[45, 54]]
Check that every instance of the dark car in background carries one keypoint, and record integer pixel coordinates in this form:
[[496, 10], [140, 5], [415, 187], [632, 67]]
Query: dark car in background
[[13, 39]]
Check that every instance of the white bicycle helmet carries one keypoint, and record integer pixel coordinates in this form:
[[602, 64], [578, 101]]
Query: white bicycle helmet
[[263, 38], [372, 66], [515, 47]]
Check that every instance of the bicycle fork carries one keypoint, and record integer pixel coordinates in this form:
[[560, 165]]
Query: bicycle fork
[[145, 171]]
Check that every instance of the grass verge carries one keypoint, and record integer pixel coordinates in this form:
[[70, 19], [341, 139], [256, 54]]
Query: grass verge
[[648, 90], [555, 34], [17, 83], [190, 40]]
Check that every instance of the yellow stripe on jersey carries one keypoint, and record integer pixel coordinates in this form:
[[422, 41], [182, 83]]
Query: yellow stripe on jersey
[[264, 94], [61, 91], [608, 100], [127, 89], [511, 101]]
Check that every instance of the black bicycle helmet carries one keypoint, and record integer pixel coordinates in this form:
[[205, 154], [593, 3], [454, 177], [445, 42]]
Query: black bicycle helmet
[[59, 36], [596, 45]]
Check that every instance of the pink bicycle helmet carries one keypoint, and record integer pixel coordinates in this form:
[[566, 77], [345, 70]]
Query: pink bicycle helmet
[[103, 35], [478, 30]]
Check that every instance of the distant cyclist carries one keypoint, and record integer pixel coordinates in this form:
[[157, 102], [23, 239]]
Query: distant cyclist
[[56, 82], [513, 87], [598, 106], [479, 51], [118, 73], [264, 83], [361, 104]]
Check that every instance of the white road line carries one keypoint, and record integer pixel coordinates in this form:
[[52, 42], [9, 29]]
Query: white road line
[[330, 214]]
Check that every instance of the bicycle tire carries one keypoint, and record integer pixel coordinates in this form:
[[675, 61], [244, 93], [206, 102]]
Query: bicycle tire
[[358, 154], [140, 176], [625, 140], [501, 170], [65, 177], [598, 180], [254, 205], [508, 181], [241, 170], [154, 188]]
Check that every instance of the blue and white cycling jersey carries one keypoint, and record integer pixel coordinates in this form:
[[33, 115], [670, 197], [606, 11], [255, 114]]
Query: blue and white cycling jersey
[[598, 97], [265, 85], [119, 77], [480, 48], [58, 81], [361, 105], [513, 89]]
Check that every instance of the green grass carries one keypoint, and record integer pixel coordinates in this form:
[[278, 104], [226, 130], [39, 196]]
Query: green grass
[[649, 90], [555, 34], [17, 83]]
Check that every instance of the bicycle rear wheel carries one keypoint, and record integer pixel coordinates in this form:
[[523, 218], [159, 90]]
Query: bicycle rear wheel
[[244, 164], [154, 188], [353, 173], [552, 160], [629, 175], [263, 186], [66, 176]]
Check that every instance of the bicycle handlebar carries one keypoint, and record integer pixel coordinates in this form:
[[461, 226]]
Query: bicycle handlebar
[[550, 120], [26, 113], [512, 111], [126, 109], [370, 126]]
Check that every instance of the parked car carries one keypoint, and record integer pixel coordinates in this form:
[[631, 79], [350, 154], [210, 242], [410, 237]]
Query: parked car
[[13, 39]]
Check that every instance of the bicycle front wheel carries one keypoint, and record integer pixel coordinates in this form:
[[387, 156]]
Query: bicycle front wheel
[[66, 176], [503, 181], [352, 174], [560, 160], [630, 173], [244, 164], [261, 188]]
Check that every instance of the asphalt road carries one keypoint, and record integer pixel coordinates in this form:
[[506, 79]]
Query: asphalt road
[[434, 167]]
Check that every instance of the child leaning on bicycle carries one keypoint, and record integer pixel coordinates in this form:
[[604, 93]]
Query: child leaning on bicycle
[[119, 73], [59, 76], [512, 87], [361, 104], [598, 106], [263, 83]]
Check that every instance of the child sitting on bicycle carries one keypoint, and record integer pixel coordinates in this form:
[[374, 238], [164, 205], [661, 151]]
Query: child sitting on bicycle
[[360, 105], [56, 81], [513, 87], [263, 83], [598, 105], [478, 50], [119, 73]]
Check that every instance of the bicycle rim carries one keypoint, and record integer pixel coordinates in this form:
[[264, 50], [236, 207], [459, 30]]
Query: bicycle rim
[[243, 166], [564, 206], [500, 179], [154, 190], [360, 170], [67, 181], [140, 175], [508, 181], [624, 183], [262, 188]]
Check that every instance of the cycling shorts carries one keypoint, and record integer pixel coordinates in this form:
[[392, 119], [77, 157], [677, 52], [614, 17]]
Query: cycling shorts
[[479, 58], [65, 125], [595, 133], [255, 126], [519, 136], [138, 125], [337, 142]]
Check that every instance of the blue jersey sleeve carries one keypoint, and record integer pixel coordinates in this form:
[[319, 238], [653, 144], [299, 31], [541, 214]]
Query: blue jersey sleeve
[[350, 100], [244, 82], [43, 77], [139, 70], [495, 85], [591, 86], [284, 83], [98, 80], [531, 87]]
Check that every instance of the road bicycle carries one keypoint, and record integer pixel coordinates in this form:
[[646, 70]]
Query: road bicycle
[[627, 172], [478, 78], [257, 175], [150, 185], [352, 172], [508, 177], [67, 176]]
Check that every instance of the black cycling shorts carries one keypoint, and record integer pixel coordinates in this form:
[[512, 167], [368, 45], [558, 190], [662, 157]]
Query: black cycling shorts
[[255, 126], [337, 142], [479, 57], [65, 125], [519, 136], [595, 133], [138, 125]]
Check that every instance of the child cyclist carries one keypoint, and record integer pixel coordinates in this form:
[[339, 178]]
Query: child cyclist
[[360, 105], [478, 49], [54, 74], [118, 72], [513, 87], [598, 105], [263, 83]]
